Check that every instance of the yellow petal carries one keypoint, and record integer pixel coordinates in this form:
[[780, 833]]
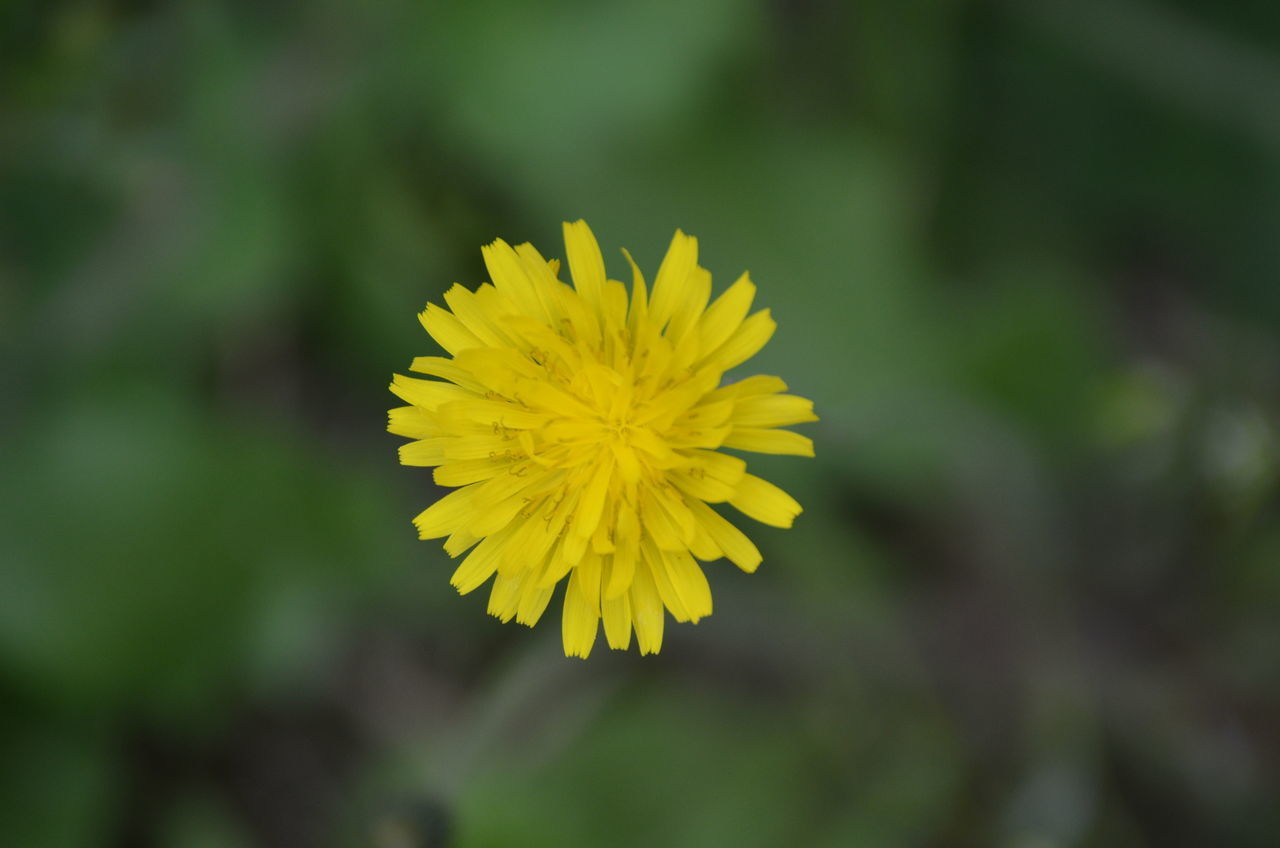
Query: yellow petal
[[424, 451], [616, 613], [673, 505], [504, 598], [542, 274], [627, 549], [707, 414], [754, 333], [411, 421], [589, 573], [475, 311], [447, 369], [736, 546], [690, 584], [511, 278], [450, 333], [646, 612], [629, 466], [428, 394], [495, 415], [574, 548], [582, 608], [702, 547], [593, 498], [586, 265], [693, 300], [533, 602], [639, 309], [477, 444], [458, 542], [669, 286], [719, 466], [701, 485], [773, 411], [445, 515], [769, 441], [725, 314], [498, 500], [699, 437], [657, 524], [655, 562], [765, 502], [656, 450], [614, 308], [502, 370], [748, 387], [558, 565], [469, 471], [480, 564]]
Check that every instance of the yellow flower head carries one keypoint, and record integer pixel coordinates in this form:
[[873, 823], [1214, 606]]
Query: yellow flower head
[[580, 429]]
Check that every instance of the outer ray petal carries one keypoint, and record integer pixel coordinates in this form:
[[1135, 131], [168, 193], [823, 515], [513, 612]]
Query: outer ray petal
[[725, 315], [669, 286], [585, 262], [736, 546], [582, 608], [646, 612], [769, 441], [765, 502]]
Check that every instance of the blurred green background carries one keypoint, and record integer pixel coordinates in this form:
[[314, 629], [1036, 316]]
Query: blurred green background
[[1025, 257]]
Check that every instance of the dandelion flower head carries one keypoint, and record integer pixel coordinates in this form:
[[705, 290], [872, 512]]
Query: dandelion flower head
[[580, 429]]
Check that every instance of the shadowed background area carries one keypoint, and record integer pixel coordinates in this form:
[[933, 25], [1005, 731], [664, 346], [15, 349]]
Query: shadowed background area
[[1023, 256]]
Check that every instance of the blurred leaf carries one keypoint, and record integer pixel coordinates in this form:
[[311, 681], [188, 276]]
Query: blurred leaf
[[151, 547], [713, 761], [1035, 351]]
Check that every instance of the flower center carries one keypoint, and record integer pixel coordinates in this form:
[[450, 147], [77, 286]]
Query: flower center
[[616, 428]]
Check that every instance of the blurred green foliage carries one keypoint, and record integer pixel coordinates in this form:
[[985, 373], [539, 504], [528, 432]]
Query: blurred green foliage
[[1022, 255]]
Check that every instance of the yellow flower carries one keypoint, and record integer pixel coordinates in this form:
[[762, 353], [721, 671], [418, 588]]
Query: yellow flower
[[581, 431]]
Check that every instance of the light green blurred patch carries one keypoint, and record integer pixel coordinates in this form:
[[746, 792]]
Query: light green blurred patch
[[1034, 351], [156, 556], [678, 769], [547, 90], [679, 765], [904, 795]]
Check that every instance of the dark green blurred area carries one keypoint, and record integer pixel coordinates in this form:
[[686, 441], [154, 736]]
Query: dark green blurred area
[[1024, 255]]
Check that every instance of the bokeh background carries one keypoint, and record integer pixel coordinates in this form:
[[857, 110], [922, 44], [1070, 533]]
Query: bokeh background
[[1025, 257]]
